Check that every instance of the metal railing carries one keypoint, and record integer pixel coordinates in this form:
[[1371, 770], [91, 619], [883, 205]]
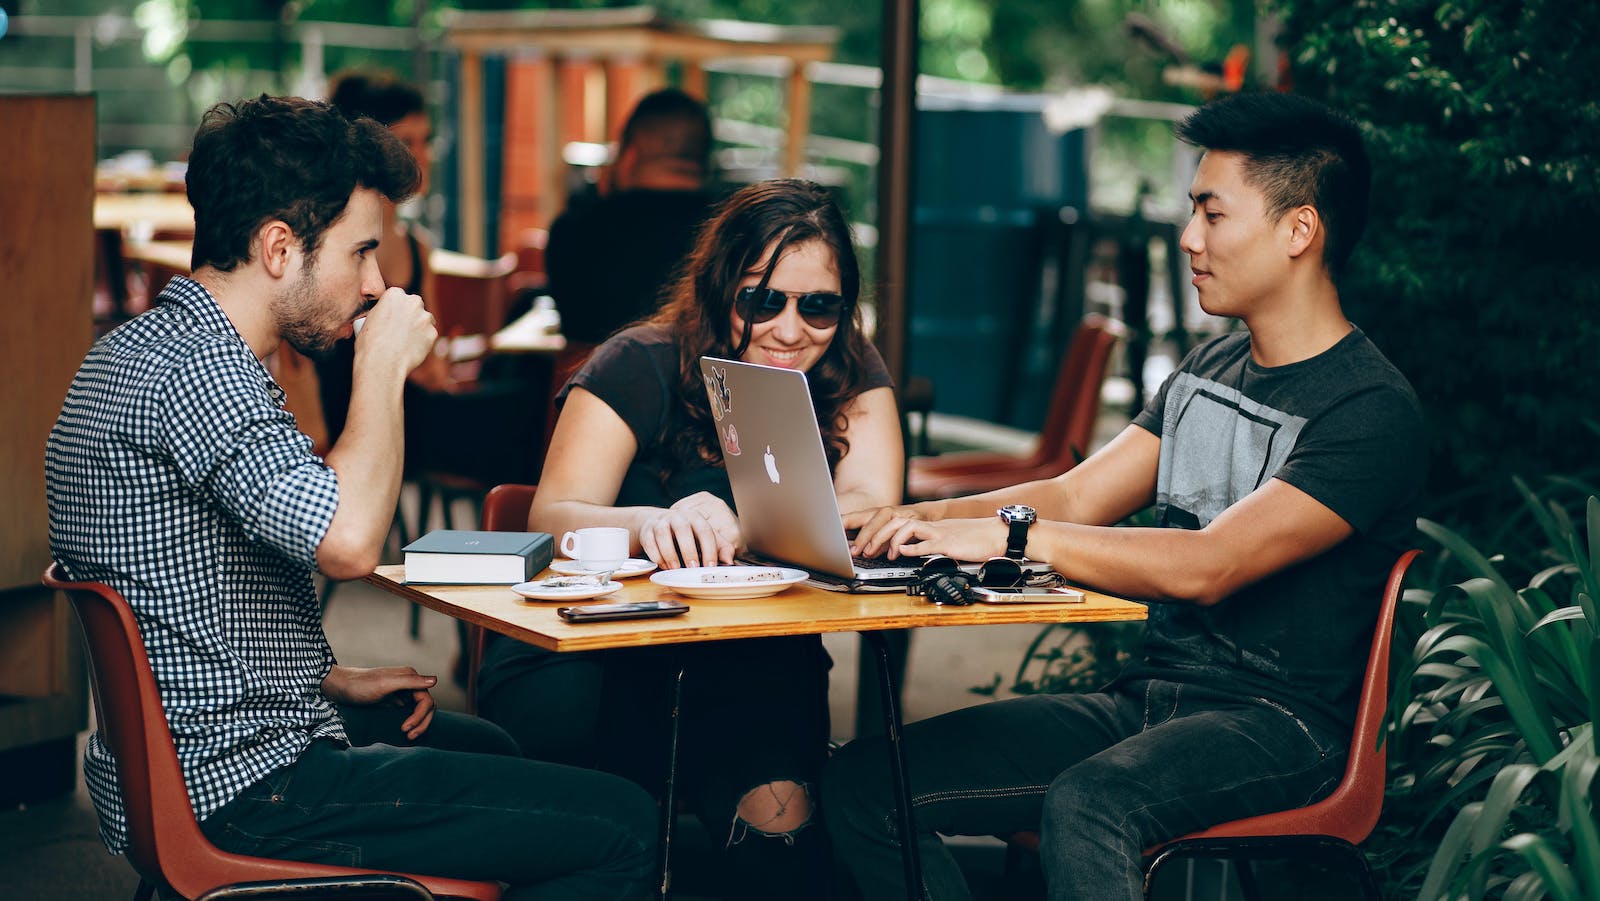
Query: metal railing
[[108, 55]]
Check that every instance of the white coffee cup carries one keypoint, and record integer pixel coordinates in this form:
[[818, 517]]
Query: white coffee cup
[[597, 547]]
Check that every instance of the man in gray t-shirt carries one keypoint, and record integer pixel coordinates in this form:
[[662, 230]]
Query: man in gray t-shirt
[[1285, 465]]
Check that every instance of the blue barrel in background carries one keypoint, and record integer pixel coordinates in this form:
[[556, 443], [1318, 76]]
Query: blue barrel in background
[[991, 181], [447, 182]]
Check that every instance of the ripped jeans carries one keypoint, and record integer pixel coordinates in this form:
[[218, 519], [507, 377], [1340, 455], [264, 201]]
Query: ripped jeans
[[754, 729], [1101, 776]]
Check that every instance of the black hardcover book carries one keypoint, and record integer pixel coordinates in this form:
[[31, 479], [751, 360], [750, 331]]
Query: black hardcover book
[[462, 557]]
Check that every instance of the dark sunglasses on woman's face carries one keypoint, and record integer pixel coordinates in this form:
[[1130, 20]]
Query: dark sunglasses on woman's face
[[757, 304]]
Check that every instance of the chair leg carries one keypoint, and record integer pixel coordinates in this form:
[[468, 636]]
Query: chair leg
[[669, 799], [1331, 853], [1247, 880]]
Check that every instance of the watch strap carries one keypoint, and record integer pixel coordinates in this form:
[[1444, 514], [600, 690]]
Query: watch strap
[[1017, 538]]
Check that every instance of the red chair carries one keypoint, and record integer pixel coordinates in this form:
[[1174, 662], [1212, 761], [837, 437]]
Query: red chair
[[1063, 441], [165, 844], [1329, 829], [505, 509], [469, 304], [529, 248]]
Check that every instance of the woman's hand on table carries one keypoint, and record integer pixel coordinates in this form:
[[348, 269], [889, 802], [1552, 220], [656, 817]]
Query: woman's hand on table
[[700, 530]]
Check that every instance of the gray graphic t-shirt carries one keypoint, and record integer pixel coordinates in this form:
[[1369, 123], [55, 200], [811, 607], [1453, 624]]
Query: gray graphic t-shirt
[[1345, 428]]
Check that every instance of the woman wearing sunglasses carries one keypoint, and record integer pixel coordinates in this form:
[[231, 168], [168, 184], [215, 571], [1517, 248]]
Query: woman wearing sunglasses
[[772, 279]]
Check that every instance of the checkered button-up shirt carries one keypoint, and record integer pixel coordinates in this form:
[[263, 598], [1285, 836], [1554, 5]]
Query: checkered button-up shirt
[[176, 476]]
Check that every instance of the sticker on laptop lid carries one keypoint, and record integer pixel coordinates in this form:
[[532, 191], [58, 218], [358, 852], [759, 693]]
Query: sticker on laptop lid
[[722, 393], [714, 398], [731, 441]]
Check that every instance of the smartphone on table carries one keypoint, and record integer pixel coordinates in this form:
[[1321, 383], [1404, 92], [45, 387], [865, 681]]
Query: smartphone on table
[[599, 613], [1028, 595]]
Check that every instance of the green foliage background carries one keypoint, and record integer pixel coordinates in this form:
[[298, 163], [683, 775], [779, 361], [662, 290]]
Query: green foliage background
[[1478, 271]]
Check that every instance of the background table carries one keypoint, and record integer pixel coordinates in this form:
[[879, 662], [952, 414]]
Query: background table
[[148, 212]]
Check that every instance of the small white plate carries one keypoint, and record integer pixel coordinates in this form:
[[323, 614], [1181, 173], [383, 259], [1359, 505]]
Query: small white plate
[[537, 592], [633, 566], [729, 581]]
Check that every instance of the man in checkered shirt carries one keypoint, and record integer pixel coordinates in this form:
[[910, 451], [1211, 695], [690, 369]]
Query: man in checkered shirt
[[176, 476]]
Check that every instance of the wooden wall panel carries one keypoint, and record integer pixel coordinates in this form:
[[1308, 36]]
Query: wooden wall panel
[[47, 270]]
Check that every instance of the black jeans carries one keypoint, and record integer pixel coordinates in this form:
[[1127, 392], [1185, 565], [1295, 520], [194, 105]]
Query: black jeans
[[550, 831], [1101, 777], [755, 711]]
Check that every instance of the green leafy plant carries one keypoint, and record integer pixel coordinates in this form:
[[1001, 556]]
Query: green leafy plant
[[1493, 316], [1494, 718]]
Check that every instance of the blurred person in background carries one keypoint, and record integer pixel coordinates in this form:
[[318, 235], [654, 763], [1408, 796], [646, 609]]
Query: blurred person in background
[[608, 259]]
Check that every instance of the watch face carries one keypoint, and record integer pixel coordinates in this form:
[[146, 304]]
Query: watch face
[[1018, 513]]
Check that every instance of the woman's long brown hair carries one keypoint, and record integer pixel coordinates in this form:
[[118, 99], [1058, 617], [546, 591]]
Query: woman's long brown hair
[[778, 214]]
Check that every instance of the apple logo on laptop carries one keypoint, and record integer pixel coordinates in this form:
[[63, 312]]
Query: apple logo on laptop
[[772, 464]]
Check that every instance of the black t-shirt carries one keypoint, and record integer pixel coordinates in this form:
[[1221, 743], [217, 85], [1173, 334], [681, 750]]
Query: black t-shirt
[[1345, 427], [608, 261], [636, 374]]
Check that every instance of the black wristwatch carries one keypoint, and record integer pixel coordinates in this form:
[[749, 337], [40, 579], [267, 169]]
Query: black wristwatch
[[1019, 517]]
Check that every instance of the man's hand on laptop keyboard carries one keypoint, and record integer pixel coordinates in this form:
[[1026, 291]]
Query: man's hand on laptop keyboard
[[870, 530], [914, 530], [905, 536], [700, 530]]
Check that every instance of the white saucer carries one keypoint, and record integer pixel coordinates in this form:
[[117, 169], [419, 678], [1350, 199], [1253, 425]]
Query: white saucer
[[633, 566], [724, 581], [537, 592]]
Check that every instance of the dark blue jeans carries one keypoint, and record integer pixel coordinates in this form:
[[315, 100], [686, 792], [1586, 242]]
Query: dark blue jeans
[[550, 831], [1101, 777]]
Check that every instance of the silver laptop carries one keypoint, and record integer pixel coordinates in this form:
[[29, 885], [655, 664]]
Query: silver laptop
[[773, 452]]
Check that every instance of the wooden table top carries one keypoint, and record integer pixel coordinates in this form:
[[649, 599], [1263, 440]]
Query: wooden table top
[[157, 211], [172, 254], [800, 610]]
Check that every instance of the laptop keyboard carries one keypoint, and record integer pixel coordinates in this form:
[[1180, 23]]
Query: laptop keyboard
[[868, 563]]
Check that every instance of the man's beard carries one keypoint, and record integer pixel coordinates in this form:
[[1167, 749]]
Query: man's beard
[[297, 311]]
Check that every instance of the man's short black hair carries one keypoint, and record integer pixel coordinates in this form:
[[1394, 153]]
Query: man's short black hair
[[377, 95], [284, 158], [670, 124], [1299, 152]]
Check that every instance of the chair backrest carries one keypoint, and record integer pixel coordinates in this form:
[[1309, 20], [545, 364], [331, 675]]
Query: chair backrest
[[505, 507], [1075, 400], [1352, 809], [469, 293], [165, 844], [529, 274], [133, 724], [529, 249]]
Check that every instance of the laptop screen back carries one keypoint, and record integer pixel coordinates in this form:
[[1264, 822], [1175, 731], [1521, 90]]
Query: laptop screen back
[[776, 464]]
